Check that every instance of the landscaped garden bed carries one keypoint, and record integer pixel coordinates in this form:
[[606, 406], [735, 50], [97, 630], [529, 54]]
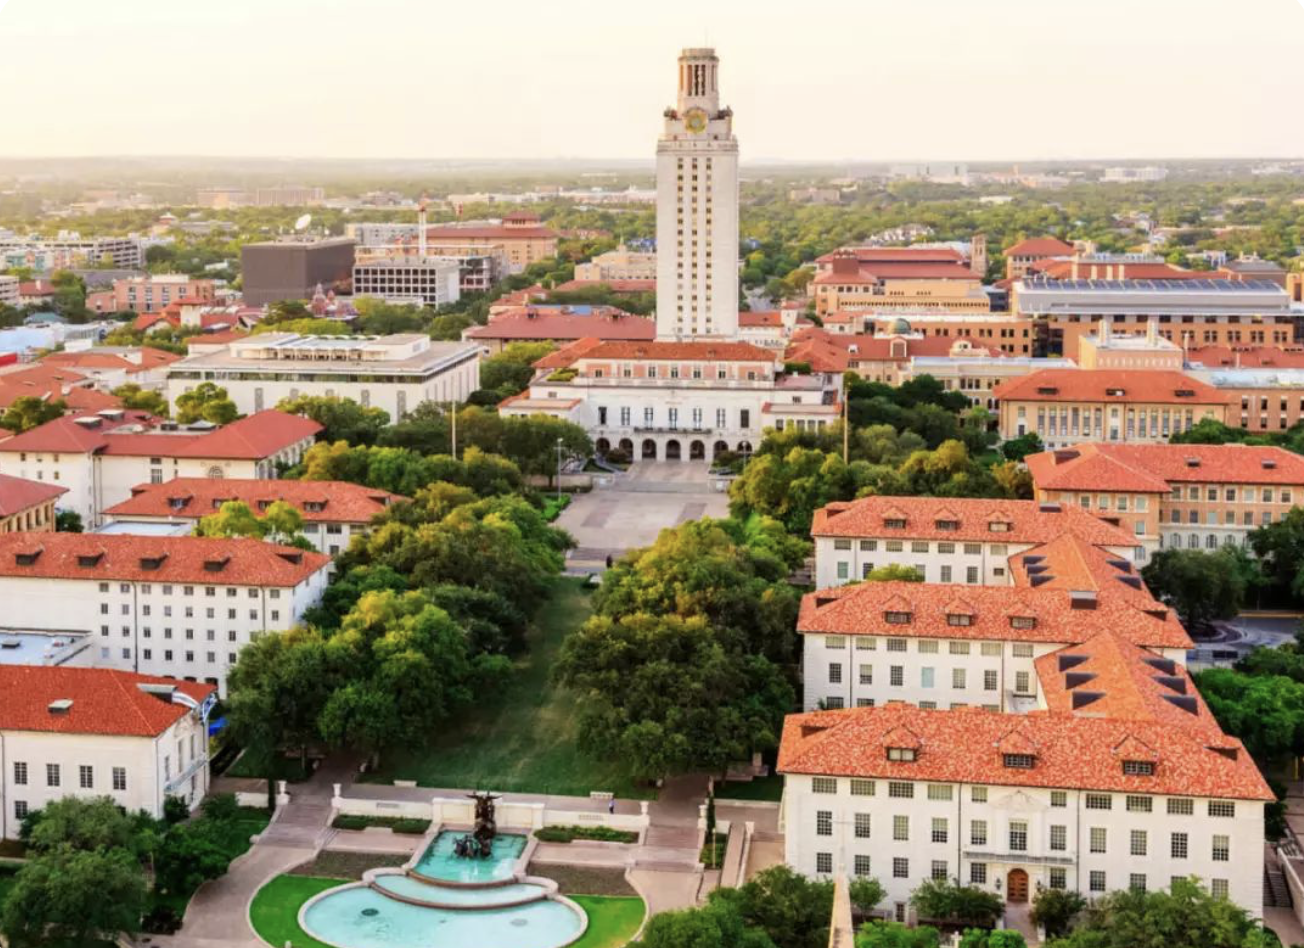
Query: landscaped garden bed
[[567, 834], [399, 824]]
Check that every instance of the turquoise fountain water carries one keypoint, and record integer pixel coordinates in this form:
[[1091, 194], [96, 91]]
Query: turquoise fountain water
[[446, 902]]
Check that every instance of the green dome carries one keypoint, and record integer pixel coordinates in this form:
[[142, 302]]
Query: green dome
[[900, 326]]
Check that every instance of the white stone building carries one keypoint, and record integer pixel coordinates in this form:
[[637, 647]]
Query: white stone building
[[333, 511], [948, 540], [91, 732], [1006, 803], [396, 373], [101, 457], [425, 281], [177, 607]]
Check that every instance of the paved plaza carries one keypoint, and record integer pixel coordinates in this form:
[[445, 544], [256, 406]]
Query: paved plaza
[[639, 504]]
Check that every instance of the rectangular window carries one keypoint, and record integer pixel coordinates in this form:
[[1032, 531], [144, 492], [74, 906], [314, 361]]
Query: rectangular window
[[1137, 882], [978, 833], [119, 778], [824, 785], [1018, 836], [1222, 808], [896, 675], [1181, 806], [1218, 888], [1178, 846], [939, 829], [835, 673], [1059, 878], [977, 873], [824, 862], [824, 823], [1139, 804], [978, 794], [861, 865], [990, 680], [1098, 801], [1222, 848], [1137, 843], [900, 790], [1096, 881], [52, 775], [866, 674], [86, 777], [1098, 839], [862, 825], [900, 868], [939, 791], [20, 773], [1059, 838], [938, 869], [862, 788], [1059, 798], [958, 678], [901, 829]]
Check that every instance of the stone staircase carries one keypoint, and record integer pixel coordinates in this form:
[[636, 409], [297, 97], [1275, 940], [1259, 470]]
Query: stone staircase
[[1276, 893]]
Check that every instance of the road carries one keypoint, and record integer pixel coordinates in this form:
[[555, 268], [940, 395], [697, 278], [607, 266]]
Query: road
[[1233, 638]]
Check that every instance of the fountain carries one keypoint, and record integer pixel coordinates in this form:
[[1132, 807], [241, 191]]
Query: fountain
[[479, 843]]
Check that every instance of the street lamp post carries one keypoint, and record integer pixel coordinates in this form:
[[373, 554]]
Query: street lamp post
[[559, 442]]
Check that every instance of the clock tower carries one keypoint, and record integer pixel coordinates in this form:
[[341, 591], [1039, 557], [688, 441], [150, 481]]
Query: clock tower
[[697, 209]]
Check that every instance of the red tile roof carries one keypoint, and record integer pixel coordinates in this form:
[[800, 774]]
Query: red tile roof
[[536, 323], [967, 745], [1108, 677], [878, 272], [243, 562], [1108, 467], [1246, 358], [895, 255], [771, 319], [490, 232], [659, 352], [254, 437], [1039, 247], [861, 609], [1153, 386], [150, 358], [217, 338], [194, 497], [17, 494], [1026, 520], [104, 701], [1119, 270]]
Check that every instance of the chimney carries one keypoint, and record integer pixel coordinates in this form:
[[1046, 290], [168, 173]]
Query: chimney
[[421, 227]]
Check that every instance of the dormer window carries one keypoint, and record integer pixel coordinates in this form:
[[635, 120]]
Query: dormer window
[[897, 618], [89, 559], [1019, 761], [26, 559], [998, 526], [1115, 392], [178, 503], [264, 504], [216, 566], [1139, 768], [959, 618], [947, 525], [906, 755], [1023, 622], [152, 562], [314, 506], [894, 523]]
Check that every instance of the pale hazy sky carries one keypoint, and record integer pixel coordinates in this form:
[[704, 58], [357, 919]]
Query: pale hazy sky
[[833, 80]]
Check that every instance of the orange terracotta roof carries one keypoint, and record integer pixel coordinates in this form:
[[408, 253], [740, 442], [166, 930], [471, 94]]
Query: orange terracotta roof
[[123, 557], [1056, 617], [895, 254], [254, 437], [1250, 357], [1026, 520], [616, 286], [104, 701], [1107, 467], [879, 272], [1039, 247], [1153, 386], [1108, 677], [18, 494], [566, 355], [1057, 269], [195, 497], [764, 319], [148, 320], [490, 232], [664, 352], [1073, 752], [532, 323], [150, 358]]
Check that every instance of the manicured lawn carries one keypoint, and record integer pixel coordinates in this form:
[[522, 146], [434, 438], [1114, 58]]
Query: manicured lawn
[[612, 921], [254, 765], [522, 738], [759, 788], [275, 909]]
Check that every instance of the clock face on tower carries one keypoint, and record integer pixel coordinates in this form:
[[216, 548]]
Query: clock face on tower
[[695, 120]]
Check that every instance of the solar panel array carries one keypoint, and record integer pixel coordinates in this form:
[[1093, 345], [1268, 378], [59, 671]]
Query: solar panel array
[[1156, 286]]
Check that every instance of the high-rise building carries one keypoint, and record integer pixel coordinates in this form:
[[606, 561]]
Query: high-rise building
[[697, 208]]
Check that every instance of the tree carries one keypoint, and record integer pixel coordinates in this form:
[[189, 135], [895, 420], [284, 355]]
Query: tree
[[866, 893], [1183, 914], [342, 419], [280, 523], [1200, 586], [82, 823], [1265, 712], [894, 573], [1016, 449], [940, 900], [28, 411], [142, 399], [793, 910], [1055, 909], [68, 521], [74, 897], [509, 372], [305, 327], [378, 318], [982, 938], [206, 402], [715, 925], [1279, 547], [539, 444]]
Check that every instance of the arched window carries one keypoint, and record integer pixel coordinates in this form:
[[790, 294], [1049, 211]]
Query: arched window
[[1193, 541], [1211, 542], [215, 473]]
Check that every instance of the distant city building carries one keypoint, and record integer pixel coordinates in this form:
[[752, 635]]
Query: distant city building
[[96, 732], [940, 172], [425, 281], [70, 250], [1021, 256], [561, 325], [333, 511], [520, 238], [814, 195], [27, 505], [1066, 407], [1107, 350], [856, 279], [1148, 173], [149, 294], [9, 291], [619, 264], [221, 198], [292, 269], [1189, 312], [293, 196], [396, 373], [1254, 268]]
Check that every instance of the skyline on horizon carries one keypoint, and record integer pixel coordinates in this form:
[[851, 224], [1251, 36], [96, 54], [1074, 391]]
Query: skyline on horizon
[[1036, 84]]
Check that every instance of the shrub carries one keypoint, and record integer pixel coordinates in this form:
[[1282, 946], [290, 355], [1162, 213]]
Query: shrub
[[411, 825], [566, 834], [221, 806], [347, 822], [161, 920], [938, 900], [1055, 909], [398, 824], [175, 810]]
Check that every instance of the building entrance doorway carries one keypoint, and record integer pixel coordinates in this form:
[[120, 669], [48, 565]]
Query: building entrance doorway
[[1016, 886]]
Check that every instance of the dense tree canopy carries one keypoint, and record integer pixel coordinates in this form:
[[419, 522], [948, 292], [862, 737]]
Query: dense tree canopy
[[142, 399], [1200, 586], [342, 419], [206, 402], [28, 412]]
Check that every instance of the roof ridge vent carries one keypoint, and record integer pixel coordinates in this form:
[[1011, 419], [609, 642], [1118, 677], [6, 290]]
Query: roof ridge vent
[[60, 706]]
